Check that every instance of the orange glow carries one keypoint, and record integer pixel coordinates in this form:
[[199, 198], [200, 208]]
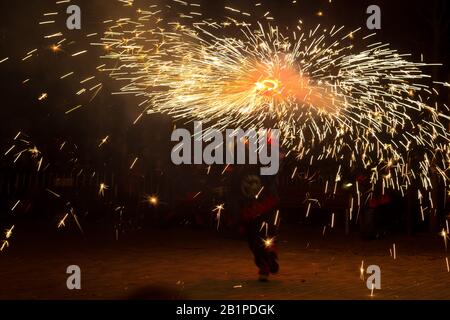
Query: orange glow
[[282, 84], [267, 87]]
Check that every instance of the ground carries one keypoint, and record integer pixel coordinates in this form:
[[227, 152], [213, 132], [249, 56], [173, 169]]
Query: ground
[[183, 263]]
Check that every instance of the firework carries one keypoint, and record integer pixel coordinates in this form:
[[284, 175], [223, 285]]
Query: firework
[[153, 200], [103, 141], [369, 107], [134, 162], [15, 205], [445, 237], [269, 242], [362, 107], [102, 188], [62, 222], [8, 232], [5, 242], [218, 210], [277, 218]]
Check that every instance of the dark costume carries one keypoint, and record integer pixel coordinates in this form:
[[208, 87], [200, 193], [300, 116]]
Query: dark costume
[[259, 219]]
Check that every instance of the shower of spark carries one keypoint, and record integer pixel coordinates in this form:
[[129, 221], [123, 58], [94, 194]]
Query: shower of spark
[[102, 188], [5, 242], [218, 210], [269, 242], [369, 108], [334, 94], [62, 222]]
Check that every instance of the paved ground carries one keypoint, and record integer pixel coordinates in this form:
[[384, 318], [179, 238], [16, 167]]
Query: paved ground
[[206, 265]]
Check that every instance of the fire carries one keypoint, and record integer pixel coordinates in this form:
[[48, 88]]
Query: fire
[[267, 87]]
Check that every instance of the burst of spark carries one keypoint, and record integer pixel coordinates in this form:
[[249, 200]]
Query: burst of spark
[[5, 244], [55, 48], [103, 141], [53, 193], [269, 242], [259, 192], [8, 232], [225, 169], [308, 209], [102, 188], [275, 222], [39, 164], [153, 200], [312, 85], [62, 222], [197, 194], [9, 150], [43, 96], [15, 205], [218, 210], [134, 162], [34, 152], [79, 53]]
